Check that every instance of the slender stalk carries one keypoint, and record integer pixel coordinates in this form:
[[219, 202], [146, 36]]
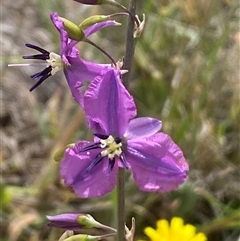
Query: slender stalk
[[86, 40], [131, 14], [121, 205], [130, 47]]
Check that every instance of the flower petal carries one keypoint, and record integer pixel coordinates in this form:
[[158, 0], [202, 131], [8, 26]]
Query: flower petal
[[142, 127], [157, 163], [94, 183], [67, 45], [172, 149], [80, 71], [108, 105], [98, 26]]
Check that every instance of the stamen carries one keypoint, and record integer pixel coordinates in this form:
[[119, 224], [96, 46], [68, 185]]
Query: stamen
[[82, 175], [37, 56], [43, 56], [45, 74], [100, 136], [110, 166], [90, 147], [56, 62], [24, 65], [113, 147], [124, 161], [31, 46], [94, 163]]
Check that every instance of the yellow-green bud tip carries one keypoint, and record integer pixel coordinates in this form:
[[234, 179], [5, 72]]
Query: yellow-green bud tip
[[88, 221], [74, 31], [83, 237], [92, 20], [58, 156]]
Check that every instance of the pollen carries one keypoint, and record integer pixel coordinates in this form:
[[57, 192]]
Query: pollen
[[56, 62], [112, 148]]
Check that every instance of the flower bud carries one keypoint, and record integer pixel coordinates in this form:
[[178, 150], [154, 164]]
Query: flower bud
[[88, 221], [92, 20], [96, 2], [66, 234], [58, 156], [67, 221], [90, 2], [74, 32], [75, 221], [83, 237]]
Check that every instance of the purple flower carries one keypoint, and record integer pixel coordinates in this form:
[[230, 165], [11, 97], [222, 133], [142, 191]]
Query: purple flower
[[76, 70], [90, 167]]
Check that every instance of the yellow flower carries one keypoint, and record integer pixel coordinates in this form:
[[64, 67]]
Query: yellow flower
[[176, 231]]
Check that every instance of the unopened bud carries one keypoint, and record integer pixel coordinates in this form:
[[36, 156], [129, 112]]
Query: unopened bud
[[68, 221], [88, 221], [92, 20], [58, 156], [74, 32], [83, 237], [66, 234], [90, 2], [95, 2]]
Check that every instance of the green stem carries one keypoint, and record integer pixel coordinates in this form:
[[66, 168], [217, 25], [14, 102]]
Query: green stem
[[121, 205], [130, 47], [120, 6], [86, 40]]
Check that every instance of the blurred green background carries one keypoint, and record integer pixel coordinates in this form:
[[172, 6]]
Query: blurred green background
[[186, 73]]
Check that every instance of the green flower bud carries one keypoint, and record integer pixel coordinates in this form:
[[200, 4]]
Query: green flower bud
[[83, 237], [74, 31], [88, 221], [92, 20], [58, 156]]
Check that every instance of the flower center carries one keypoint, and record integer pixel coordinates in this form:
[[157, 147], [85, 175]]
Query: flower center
[[55, 61], [113, 147]]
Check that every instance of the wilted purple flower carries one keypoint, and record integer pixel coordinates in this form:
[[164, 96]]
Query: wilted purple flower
[[91, 168], [76, 70]]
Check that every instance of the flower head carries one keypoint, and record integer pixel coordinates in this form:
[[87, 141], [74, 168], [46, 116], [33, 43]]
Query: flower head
[[175, 231], [91, 168], [76, 69]]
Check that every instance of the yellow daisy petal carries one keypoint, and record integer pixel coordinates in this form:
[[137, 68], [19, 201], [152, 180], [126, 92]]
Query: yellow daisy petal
[[152, 234], [176, 231], [188, 232], [163, 228], [176, 224], [199, 237]]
